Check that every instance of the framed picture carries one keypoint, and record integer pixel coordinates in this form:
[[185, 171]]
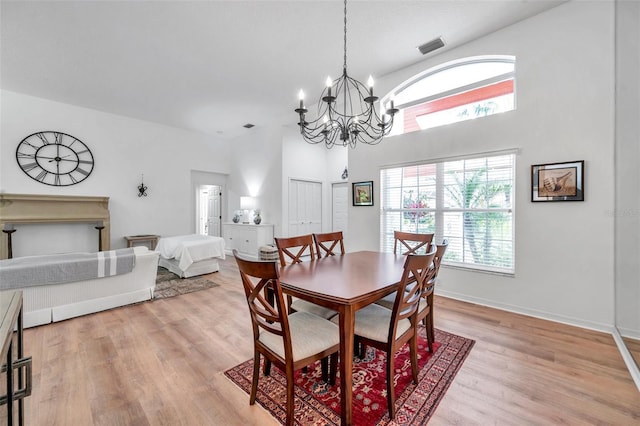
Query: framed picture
[[558, 181], [363, 193]]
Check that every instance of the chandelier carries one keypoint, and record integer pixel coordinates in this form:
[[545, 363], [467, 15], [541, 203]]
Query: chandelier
[[346, 111]]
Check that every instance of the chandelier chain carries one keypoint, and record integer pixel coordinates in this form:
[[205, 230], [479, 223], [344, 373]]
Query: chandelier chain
[[345, 36]]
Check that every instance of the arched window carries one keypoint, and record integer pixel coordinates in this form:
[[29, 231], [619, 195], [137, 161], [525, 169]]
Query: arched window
[[456, 91]]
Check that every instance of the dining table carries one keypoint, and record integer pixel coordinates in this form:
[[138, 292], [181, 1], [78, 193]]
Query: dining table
[[344, 283]]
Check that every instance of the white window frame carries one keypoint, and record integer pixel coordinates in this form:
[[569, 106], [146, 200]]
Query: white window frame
[[443, 68], [386, 229]]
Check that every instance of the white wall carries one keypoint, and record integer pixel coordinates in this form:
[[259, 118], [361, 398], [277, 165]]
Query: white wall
[[304, 161], [256, 170], [627, 207], [123, 148], [565, 87]]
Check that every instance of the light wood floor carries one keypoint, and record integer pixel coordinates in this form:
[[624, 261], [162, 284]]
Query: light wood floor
[[162, 363]]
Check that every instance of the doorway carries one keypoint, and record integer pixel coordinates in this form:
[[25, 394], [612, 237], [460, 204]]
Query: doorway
[[209, 210], [340, 207]]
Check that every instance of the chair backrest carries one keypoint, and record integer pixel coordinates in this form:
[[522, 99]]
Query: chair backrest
[[327, 242], [440, 251], [261, 281], [293, 248], [417, 272], [412, 242]]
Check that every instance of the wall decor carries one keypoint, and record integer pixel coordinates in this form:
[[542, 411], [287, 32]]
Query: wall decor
[[142, 188], [363, 193], [54, 158], [558, 181]]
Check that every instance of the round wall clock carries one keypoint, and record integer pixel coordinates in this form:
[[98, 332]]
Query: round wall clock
[[54, 158]]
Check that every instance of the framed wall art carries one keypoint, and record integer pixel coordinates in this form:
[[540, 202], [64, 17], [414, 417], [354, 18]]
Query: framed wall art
[[557, 181], [363, 193]]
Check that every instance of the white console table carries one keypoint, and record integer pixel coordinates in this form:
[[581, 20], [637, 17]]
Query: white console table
[[246, 238]]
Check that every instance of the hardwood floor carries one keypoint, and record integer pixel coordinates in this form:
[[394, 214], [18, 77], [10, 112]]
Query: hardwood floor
[[162, 363]]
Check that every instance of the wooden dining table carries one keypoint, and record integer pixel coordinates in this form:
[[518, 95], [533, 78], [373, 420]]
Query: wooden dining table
[[345, 284]]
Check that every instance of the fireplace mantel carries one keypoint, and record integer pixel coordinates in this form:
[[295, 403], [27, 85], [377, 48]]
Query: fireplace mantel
[[16, 209]]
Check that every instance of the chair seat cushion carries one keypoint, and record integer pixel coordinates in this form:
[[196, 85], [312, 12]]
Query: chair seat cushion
[[388, 300], [373, 321], [310, 335], [300, 305], [423, 306]]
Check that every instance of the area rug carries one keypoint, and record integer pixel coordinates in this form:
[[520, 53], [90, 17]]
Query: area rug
[[317, 403], [169, 284]]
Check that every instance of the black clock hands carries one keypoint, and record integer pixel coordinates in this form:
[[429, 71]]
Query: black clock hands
[[58, 158]]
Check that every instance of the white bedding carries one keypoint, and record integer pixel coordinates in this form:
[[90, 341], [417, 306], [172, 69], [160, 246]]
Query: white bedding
[[188, 249]]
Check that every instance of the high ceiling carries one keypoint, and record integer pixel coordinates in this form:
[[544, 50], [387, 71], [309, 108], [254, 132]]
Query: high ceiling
[[213, 66]]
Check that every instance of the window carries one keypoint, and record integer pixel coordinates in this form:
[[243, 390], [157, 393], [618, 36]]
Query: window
[[467, 201], [456, 91]]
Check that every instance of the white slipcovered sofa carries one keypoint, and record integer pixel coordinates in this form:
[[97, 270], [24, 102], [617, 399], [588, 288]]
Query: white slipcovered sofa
[[45, 303]]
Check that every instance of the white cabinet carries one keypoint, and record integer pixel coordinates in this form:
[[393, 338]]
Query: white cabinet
[[245, 238]]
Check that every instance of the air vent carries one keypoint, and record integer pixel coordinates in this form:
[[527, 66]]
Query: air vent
[[248, 125], [430, 46]]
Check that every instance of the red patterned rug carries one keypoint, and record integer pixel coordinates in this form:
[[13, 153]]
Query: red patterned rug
[[317, 403]]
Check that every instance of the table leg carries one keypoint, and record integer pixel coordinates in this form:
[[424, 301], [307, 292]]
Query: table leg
[[347, 320]]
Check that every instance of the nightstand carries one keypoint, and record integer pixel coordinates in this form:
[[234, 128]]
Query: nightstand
[[150, 241]]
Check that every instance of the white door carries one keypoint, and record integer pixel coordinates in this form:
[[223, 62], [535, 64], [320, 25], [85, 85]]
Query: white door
[[339, 207], [213, 211], [305, 207], [209, 218]]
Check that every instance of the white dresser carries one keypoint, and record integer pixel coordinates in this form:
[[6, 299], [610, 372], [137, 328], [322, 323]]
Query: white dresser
[[246, 238]]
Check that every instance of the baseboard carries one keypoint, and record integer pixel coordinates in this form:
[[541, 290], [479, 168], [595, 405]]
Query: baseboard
[[628, 359], [605, 328]]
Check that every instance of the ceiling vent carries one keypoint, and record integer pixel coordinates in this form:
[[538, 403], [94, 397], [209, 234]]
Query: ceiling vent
[[248, 125], [430, 46]]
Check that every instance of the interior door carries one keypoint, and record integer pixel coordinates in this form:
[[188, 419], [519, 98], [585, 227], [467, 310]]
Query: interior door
[[339, 207], [213, 211], [305, 207]]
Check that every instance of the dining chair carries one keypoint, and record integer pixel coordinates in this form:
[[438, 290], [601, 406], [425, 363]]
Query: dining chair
[[328, 242], [410, 241], [292, 341], [291, 250], [390, 329], [425, 310]]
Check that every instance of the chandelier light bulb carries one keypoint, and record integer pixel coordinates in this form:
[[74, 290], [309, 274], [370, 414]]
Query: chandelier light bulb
[[370, 84], [301, 97]]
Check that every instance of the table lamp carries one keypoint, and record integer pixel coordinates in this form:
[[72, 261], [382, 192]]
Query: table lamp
[[246, 204]]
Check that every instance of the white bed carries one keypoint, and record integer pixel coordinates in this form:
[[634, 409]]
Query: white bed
[[191, 255]]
